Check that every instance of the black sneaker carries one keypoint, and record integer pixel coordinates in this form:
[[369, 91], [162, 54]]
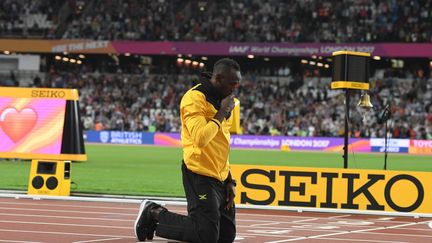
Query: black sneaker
[[145, 224]]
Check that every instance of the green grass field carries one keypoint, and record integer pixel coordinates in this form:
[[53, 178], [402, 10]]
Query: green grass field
[[155, 171]]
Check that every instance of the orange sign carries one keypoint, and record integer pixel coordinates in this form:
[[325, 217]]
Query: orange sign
[[420, 147], [57, 46]]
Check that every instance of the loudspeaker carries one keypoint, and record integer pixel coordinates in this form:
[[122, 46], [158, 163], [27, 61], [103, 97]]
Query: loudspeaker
[[49, 178], [350, 70]]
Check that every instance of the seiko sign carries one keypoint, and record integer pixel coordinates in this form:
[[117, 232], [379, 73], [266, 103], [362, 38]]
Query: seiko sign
[[334, 188]]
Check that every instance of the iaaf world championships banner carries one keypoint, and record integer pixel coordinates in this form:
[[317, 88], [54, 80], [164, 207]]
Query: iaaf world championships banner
[[213, 48], [276, 142]]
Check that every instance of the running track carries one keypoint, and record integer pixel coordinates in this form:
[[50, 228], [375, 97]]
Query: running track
[[29, 220]]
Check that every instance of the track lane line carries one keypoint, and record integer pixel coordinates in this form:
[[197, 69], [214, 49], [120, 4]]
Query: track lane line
[[106, 239], [20, 241], [69, 206], [62, 224], [67, 211], [263, 224], [304, 220], [68, 233], [63, 217], [400, 234], [340, 216], [349, 232], [360, 240]]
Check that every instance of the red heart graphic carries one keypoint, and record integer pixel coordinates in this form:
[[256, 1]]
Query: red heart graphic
[[17, 124]]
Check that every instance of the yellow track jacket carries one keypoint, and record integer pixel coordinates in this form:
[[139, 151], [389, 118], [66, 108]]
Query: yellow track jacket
[[206, 141]]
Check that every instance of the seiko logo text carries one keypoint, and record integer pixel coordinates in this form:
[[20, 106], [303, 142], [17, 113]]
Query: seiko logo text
[[47, 94]]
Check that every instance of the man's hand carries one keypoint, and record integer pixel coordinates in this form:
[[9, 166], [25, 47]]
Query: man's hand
[[227, 105], [230, 194]]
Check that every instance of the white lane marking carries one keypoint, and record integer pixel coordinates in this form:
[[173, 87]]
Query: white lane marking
[[66, 233], [385, 218], [66, 211], [318, 227], [430, 224], [75, 225], [20, 241], [399, 234], [245, 234], [369, 240], [289, 228], [264, 224], [352, 222], [269, 231], [304, 220], [315, 227], [62, 217], [106, 239], [340, 216], [68, 205], [238, 238], [258, 221], [350, 232], [403, 225], [278, 216], [299, 238]]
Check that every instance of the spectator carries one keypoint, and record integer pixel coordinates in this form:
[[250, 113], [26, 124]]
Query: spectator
[[305, 108]]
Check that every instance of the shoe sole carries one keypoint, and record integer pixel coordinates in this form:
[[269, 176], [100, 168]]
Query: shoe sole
[[142, 206]]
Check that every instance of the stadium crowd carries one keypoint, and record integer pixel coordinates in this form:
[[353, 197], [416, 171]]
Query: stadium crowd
[[227, 20], [305, 106], [302, 107], [26, 18]]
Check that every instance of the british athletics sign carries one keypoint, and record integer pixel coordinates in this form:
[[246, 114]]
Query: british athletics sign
[[372, 190]]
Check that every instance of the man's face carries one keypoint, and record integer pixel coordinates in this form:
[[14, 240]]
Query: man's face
[[227, 81]]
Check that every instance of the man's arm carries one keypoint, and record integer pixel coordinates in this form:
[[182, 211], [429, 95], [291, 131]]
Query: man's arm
[[227, 105], [230, 185], [193, 112]]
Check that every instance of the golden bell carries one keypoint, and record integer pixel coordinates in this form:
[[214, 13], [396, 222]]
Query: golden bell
[[365, 101]]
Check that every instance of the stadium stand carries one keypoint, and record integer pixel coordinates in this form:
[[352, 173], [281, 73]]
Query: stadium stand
[[125, 98], [245, 20], [29, 19], [259, 21], [132, 102]]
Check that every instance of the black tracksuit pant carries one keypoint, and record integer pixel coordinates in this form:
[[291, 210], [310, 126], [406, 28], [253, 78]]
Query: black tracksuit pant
[[208, 221]]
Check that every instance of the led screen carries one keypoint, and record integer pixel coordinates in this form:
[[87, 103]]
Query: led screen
[[40, 123], [33, 126]]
